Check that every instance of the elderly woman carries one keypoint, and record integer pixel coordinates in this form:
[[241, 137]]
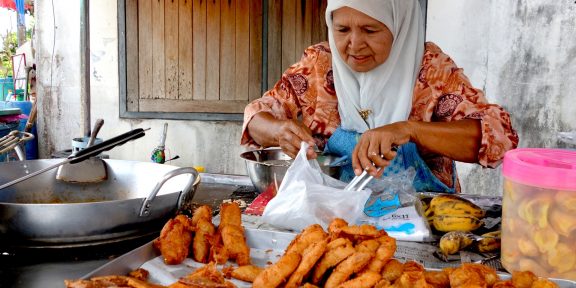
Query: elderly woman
[[376, 85]]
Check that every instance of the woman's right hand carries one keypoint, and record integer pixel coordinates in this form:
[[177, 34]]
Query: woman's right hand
[[287, 134], [290, 135], [376, 147]]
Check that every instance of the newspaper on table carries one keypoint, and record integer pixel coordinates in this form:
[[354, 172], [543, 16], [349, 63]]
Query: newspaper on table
[[425, 253], [163, 274]]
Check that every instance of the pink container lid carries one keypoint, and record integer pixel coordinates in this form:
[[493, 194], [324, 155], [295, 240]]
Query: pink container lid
[[541, 167]]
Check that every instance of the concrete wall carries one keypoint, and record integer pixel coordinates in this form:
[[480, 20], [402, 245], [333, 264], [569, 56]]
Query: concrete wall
[[522, 53]]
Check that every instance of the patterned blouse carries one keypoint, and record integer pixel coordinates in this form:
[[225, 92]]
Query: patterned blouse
[[442, 93]]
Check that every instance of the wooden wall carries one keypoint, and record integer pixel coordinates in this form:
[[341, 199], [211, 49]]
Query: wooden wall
[[293, 25], [206, 55]]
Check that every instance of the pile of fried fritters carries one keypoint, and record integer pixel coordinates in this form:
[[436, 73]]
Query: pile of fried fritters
[[344, 256], [208, 243]]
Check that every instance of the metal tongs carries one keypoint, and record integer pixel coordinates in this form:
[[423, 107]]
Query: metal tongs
[[359, 182]]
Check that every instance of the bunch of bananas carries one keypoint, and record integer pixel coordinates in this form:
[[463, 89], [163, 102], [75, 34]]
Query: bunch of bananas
[[458, 217], [452, 213], [455, 241]]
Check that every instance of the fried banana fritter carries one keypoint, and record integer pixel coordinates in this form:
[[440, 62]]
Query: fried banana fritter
[[277, 273], [205, 230], [175, 239]]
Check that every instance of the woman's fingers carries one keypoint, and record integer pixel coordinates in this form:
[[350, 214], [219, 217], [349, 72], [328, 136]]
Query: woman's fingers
[[375, 155], [388, 152], [291, 136], [364, 159], [303, 133], [376, 149]]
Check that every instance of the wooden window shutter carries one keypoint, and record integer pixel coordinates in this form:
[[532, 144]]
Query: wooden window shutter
[[193, 55]]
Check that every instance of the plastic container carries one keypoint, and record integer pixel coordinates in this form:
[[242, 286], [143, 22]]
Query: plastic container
[[539, 212], [81, 143]]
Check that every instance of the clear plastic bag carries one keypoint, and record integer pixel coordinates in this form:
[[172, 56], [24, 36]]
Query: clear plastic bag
[[395, 207], [307, 196], [568, 137]]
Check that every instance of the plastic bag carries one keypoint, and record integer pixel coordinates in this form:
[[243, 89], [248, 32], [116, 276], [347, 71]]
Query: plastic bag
[[567, 137], [395, 207], [307, 196]]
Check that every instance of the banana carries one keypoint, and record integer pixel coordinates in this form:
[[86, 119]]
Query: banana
[[447, 223], [425, 204], [454, 241], [490, 242], [428, 212], [453, 205], [463, 208], [493, 234], [437, 200]]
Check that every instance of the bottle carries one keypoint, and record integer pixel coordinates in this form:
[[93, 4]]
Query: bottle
[[10, 96], [158, 155]]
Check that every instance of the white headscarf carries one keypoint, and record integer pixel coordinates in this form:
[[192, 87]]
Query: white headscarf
[[387, 89]]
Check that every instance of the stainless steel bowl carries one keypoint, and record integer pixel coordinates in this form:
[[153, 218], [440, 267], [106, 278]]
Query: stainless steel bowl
[[268, 166]]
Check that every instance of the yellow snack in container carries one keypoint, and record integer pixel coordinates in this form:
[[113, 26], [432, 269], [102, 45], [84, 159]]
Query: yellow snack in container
[[539, 212]]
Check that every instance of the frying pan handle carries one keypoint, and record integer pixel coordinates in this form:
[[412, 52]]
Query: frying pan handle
[[106, 145], [147, 204]]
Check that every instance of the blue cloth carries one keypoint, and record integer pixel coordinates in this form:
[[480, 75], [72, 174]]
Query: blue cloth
[[20, 12], [342, 142]]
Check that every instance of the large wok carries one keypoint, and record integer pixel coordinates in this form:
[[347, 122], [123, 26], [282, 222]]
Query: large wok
[[45, 212]]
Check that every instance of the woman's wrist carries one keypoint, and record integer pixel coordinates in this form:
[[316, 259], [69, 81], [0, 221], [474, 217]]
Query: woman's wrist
[[411, 130]]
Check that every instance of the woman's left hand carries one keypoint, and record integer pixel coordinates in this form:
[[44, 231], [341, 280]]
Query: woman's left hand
[[374, 150]]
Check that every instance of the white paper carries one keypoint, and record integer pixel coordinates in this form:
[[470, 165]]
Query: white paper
[[163, 274]]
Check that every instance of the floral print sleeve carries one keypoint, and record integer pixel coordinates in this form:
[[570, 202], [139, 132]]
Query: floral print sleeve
[[444, 93], [305, 90]]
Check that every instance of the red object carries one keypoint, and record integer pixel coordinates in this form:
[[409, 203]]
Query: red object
[[11, 4], [12, 118], [8, 4], [258, 205]]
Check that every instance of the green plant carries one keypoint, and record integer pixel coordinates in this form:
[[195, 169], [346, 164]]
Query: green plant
[[9, 44]]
